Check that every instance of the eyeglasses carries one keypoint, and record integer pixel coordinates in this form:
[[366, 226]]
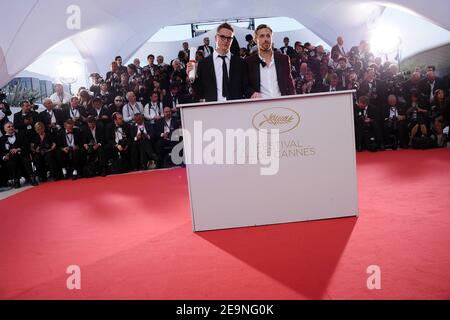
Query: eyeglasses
[[224, 38]]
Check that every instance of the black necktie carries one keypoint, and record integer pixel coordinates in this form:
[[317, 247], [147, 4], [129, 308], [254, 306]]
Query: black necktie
[[224, 77]]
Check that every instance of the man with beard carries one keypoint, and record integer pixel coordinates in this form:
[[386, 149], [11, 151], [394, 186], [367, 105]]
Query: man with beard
[[269, 72]]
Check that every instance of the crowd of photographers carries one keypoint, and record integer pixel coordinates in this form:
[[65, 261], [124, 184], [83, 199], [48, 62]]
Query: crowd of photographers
[[124, 121]]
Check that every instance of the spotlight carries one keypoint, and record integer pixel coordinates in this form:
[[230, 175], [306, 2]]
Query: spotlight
[[384, 40]]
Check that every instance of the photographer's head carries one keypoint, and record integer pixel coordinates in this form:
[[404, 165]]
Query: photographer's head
[[48, 104], [342, 63], [370, 74], [309, 76], [363, 102], [340, 41], [131, 97], [263, 36], [25, 106], [154, 97], [68, 125], [39, 127], [138, 118], [104, 88], [97, 103], [118, 101], [392, 100], [114, 67], [150, 59], [9, 128], [167, 113], [414, 97], [118, 60], [224, 38], [334, 80], [74, 102], [59, 89], [415, 77], [160, 60], [118, 119], [431, 73], [92, 122], [286, 41]]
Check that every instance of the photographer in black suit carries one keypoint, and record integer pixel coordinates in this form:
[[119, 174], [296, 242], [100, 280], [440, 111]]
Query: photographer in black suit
[[118, 144], [69, 144], [25, 120], [221, 76], [164, 128], [5, 111], [394, 123], [53, 119], [206, 48], [43, 149], [15, 153], [367, 129], [93, 148], [269, 73], [143, 155]]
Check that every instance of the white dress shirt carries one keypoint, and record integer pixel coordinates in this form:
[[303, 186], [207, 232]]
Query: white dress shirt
[[218, 62], [269, 80], [57, 100], [151, 111], [130, 110], [70, 139]]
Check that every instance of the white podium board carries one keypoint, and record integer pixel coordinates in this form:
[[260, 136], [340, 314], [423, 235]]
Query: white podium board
[[316, 178]]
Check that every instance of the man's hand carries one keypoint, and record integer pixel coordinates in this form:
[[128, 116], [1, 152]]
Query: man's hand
[[86, 146], [256, 95], [190, 66], [66, 149], [166, 135]]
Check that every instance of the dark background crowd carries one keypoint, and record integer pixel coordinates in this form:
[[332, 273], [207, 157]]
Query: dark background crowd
[[125, 120]]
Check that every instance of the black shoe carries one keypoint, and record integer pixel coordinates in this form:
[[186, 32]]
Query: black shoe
[[34, 182], [103, 173], [75, 177]]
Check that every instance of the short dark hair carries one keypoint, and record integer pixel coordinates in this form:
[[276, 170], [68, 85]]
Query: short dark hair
[[248, 37], [69, 121], [432, 67], [23, 102], [150, 56], [263, 26], [91, 119], [225, 26], [363, 100], [117, 58]]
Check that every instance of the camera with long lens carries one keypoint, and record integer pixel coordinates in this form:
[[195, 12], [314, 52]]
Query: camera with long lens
[[90, 149], [123, 142], [392, 123]]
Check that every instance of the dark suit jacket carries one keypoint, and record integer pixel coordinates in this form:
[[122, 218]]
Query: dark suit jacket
[[161, 123], [21, 142], [45, 118], [288, 51], [211, 49], [104, 111], [425, 89], [99, 135], [61, 140], [336, 52], [19, 119], [205, 86], [110, 133], [148, 127], [284, 76]]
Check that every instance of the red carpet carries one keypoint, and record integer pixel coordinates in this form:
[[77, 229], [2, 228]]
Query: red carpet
[[132, 237]]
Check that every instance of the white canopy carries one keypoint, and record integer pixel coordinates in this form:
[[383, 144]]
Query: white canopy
[[110, 27]]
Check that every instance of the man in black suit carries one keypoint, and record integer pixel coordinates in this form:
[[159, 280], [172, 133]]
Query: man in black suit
[[100, 112], [310, 85], [93, 147], [428, 86], [206, 48], [287, 49], [374, 89], [338, 50], [269, 73], [221, 76], [118, 143], [52, 118], [334, 84], [15, 153], [25, 120], [164, 128], [143, 144], [69, 144], [5, 112], [367, 125]]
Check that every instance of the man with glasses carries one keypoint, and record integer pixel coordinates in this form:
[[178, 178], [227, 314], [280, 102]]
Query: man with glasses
[[117, 106], [221, 76]]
